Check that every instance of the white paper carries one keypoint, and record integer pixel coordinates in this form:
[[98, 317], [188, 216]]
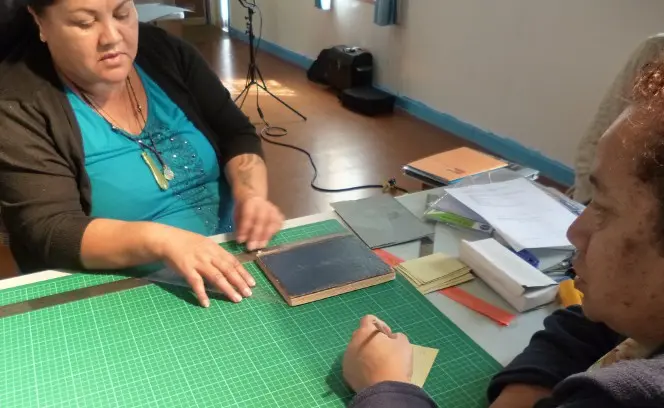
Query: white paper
[[516, 281], [524, 215], [154, 11], [452, 205]]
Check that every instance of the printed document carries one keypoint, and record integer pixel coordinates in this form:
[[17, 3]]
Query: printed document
[[524, 215]]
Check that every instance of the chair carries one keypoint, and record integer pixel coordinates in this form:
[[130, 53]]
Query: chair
[[7, 265], [4, 235], [613, 104]]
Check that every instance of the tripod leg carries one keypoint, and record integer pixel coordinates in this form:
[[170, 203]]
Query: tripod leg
[[282, 102], [246, 93], [260, 75], [264, 87], [249, 80], [247, 85], [240, 95]]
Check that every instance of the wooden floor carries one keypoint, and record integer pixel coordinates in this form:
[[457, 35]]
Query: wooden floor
[[348, 149]]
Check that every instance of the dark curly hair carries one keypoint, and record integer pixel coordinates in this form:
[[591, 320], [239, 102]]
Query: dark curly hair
[[16, 24], [648, 94]]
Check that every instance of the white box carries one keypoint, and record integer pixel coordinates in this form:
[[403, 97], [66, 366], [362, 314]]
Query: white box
[[519, 283]]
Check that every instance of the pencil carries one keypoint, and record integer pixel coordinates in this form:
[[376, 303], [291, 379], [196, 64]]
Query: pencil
[[381, 328]]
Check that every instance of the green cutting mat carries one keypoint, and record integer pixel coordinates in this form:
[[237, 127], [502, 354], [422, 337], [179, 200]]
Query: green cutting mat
[[153, 347]]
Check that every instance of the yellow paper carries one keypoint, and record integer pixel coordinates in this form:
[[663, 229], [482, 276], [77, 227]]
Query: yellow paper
[[452, 279], [432, 267], [568, 294], [434, 286], [423, 359]]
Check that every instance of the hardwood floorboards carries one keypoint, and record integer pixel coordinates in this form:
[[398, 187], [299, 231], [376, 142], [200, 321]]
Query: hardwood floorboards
[[349, 149]]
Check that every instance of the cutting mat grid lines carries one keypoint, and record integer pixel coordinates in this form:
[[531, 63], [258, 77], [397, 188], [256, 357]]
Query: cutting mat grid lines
[[312, 364], [169, 347], [138, 370], [149, 346], [250, 384]]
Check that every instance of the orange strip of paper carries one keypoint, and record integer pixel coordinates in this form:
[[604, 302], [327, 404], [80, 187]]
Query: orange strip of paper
[[568, 294], [388, 258], [480, 306]]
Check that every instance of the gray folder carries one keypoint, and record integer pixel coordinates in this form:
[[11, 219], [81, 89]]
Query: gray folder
[[382, 221]]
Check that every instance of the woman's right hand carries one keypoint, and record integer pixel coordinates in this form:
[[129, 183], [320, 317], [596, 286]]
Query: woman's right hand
[[199, 259]]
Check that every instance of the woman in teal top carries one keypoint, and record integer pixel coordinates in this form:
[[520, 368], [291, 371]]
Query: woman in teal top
[[120, 150], [198, 198]]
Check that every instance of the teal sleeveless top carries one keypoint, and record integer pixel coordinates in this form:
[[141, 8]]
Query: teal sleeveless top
[[198, 198]]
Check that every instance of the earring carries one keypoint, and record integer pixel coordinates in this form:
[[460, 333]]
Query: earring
[[41, 37]]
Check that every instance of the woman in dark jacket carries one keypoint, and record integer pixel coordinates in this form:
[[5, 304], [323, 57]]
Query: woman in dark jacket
[[119, 147]]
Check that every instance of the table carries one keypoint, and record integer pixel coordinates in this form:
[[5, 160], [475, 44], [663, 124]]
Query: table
[[502, 343], [152, 12]]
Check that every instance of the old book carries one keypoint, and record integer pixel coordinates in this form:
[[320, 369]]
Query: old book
[[311, 271]]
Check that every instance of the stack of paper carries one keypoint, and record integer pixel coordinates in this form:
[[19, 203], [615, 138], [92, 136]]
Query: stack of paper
[[449, 210], [435, 272], [519, 283], [524, 215]]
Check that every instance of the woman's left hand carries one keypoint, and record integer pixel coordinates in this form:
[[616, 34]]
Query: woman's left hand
[[256, 220]]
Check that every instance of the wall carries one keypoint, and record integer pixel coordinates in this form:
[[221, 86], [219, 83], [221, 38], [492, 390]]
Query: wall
[[530, 70]]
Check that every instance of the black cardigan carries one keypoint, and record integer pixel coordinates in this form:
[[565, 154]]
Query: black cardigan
[[44, 188]]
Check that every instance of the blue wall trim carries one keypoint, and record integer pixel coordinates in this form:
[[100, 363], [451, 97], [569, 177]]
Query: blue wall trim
[[499, 145], [300, 60]]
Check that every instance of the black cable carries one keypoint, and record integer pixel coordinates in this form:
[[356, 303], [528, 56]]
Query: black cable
[[389, 185], [276, 131]]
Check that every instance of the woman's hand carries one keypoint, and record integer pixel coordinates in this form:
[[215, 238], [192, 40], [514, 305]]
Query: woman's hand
[[373, 357], [199, 259], [256, 221]]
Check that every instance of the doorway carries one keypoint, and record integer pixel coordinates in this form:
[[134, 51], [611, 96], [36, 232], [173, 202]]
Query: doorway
[[225, 14], [198, 14]]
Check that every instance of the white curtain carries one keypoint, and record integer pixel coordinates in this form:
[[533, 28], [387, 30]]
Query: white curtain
[[323, 4], [385, 13]]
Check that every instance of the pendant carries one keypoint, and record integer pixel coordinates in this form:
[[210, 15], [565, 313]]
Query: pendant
[[168, 173], [162, 182]]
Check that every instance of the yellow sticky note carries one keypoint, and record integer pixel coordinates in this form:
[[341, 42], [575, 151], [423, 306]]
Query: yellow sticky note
[[423, 359]]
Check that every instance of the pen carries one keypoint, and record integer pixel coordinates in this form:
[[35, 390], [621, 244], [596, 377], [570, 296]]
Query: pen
[[573, 209]]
